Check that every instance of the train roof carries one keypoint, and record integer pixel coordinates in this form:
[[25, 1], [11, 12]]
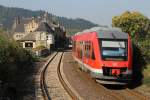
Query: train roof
[[107, 33], [112, 35]]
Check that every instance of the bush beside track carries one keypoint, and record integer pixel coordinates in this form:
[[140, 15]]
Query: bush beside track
[[141, 60], [16, 66]]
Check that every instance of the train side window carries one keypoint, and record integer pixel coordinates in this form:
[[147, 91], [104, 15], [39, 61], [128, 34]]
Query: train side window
[[86, 49], [90, 50], [89, 47], [80, 51], [85, 46], [93, 55]]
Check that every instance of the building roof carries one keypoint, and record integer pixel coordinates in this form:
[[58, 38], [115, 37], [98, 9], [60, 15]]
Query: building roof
[[43, 26], [19, 28], [26, 20]]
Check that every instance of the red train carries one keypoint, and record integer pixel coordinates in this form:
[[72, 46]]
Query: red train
[[106, 53]]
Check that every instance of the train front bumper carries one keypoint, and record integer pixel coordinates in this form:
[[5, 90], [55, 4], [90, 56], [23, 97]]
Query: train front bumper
[[123, 79]]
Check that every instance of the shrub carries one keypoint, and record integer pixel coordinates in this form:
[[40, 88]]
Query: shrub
[[13, 60], [144, 45]]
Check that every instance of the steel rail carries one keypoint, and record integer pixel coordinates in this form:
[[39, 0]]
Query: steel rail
[[69, 91], [43, 85]]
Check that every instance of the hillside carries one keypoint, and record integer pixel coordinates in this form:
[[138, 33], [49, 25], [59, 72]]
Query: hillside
[[7, 15]]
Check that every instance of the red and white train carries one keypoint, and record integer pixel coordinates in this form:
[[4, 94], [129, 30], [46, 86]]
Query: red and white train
[[106, 53]]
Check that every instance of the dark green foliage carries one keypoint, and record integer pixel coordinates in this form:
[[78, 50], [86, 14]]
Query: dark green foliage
[[139, 64], [147, 81], [7, 16], [138, 57], [16, 68], [144, 46], [13, 60]]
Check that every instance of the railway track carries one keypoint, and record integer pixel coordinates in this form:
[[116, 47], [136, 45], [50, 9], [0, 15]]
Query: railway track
[[43, 86], [67, 88], [52, 83]]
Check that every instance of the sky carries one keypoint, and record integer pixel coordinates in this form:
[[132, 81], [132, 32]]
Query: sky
[[97, 11]]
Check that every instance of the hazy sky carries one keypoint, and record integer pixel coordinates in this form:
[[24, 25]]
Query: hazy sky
[[97, 11]]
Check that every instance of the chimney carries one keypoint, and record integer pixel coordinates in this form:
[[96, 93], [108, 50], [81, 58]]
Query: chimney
[[17, 20]]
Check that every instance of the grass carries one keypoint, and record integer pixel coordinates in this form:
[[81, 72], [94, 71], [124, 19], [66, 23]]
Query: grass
[[146, 73]]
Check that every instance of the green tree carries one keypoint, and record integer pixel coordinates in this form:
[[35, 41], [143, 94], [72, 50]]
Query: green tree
[[134, 23]]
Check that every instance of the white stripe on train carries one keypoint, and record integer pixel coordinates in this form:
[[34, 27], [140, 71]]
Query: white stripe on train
[[96, 70]]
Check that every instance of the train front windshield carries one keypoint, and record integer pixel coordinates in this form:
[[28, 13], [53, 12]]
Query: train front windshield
[[114, 50]]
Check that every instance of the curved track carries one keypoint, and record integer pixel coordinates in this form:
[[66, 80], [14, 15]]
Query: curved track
[[46, 95], [44, 82], [71, 93]]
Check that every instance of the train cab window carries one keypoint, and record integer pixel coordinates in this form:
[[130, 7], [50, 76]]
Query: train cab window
[[114, 49]]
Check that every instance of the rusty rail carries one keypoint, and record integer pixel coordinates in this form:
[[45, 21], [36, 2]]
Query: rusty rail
[[43, 86], [70, 92]]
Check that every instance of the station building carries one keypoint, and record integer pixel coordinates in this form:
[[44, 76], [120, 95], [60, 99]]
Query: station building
[[38, 33]]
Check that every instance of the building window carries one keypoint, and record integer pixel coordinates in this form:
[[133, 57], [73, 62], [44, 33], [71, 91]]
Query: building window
[[29, 44]]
